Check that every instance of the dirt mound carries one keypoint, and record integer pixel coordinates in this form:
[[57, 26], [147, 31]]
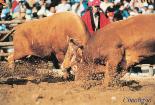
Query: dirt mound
[[25, 71], [89, 71]]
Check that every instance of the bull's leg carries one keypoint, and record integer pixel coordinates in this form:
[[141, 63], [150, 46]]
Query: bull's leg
[[15, 56], [134, 56], [110, 74], [55, 60], [60, 56], [70, 58], [10, 60]]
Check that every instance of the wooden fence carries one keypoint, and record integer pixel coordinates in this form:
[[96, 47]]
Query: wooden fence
[[6, 43]]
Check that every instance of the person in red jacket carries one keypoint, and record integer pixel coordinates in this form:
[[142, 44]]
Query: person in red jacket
[[94, 17]]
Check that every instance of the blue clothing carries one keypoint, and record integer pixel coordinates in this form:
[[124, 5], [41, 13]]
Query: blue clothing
[[2, 27], [125, 13], [28, 11], [85, 3], [74, 1], [5, 11]]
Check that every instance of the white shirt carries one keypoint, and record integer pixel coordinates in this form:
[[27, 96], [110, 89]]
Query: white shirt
[[79, 10], [96, 19], [63, 7], [104, 5]]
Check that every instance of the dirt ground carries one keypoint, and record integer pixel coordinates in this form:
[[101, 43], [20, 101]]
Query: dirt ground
[[78, 93], [71, 93]]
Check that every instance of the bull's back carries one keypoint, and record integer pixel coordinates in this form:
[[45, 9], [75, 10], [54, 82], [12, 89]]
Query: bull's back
[[134, 30], [50, 33]]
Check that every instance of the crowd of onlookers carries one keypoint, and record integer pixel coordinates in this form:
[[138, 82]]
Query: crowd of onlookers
[[34, 9]]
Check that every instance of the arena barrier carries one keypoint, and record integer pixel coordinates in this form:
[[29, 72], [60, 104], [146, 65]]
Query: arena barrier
[[6, 44]]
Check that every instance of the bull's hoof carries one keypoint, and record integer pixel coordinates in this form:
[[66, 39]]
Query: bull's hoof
[[67, 75]]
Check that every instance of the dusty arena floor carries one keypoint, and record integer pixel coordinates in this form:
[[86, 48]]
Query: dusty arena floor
[[78, 93]]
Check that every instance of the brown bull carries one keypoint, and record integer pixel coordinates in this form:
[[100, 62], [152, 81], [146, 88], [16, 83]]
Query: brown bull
[[121, 45], [138, 37], [48, 35]]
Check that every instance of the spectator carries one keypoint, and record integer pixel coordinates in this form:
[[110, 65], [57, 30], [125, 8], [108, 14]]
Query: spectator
[[125, 13], [118, 9], [28, 15], [34, 12], [52, 10], [9, 3], [117, 2], [110, 11], [85, 4], [136, 3], [15, 9], [22, 9], [150, 9], [48, 4], [45, 10], [49, 12], [126, 4], [94, 17], [72, 2], [55, 2], [121, 13], [134, 12], [78, 8], [104, 5], [3, 27], [63, 6], [5, 14], [41, 12]]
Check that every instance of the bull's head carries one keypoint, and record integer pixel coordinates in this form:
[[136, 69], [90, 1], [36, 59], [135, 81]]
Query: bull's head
[[73, 54], [72, 57]]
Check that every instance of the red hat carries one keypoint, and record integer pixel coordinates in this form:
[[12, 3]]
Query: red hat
[[94, 3]]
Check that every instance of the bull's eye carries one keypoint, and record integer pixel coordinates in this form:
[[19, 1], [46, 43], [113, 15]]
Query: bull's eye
[[71, 40], [100, 61], [81, 47]]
